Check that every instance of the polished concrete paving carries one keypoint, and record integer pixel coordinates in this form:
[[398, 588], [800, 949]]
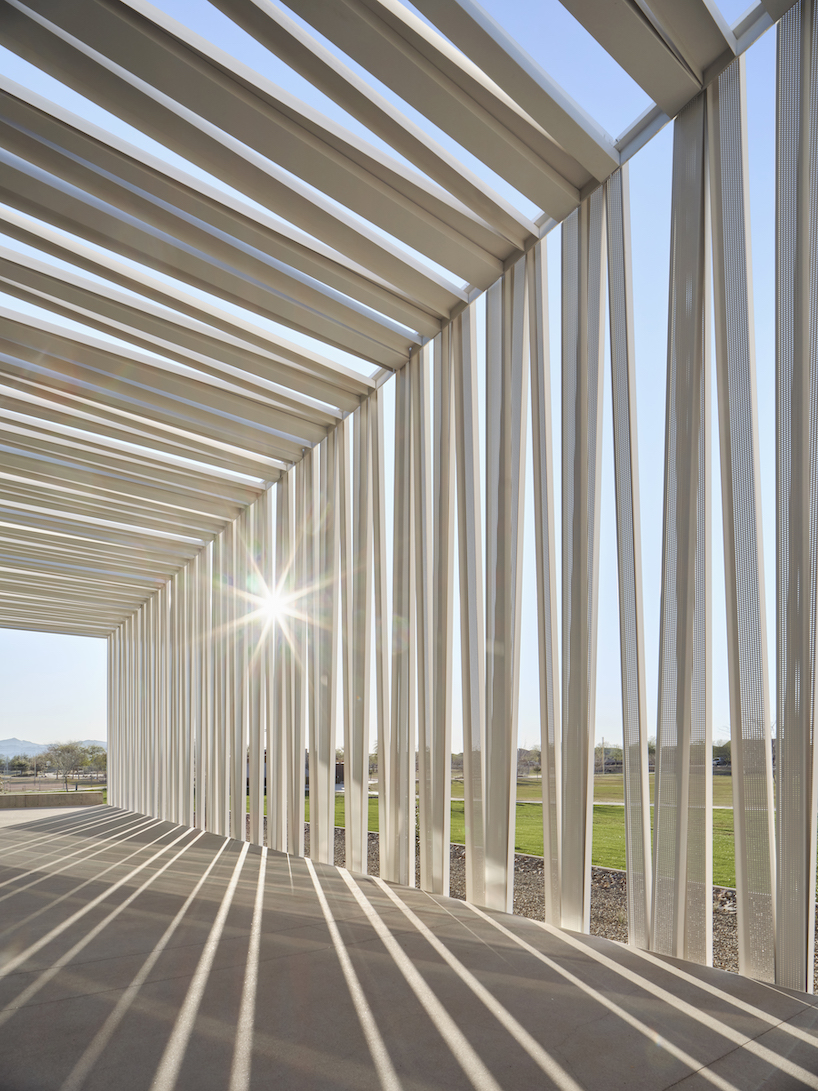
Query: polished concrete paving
[[136, 954], [16, 816]]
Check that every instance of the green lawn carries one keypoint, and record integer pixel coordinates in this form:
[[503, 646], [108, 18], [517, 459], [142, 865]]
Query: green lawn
[[610, 789], [609, 834], [607, 789], [339, 812]]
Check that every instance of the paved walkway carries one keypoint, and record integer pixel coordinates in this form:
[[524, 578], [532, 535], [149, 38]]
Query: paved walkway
[[136, 954], [16, 816]]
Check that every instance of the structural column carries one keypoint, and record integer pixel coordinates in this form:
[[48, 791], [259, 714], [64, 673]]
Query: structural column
[[682, 894], [583, 256], [400, 860], [322, 754], [629, 558], [506, 409], [541, 432], [751, 752], [796, 494], [472, 621]]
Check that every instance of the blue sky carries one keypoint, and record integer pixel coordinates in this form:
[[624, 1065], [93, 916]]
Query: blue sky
[[54, 687]]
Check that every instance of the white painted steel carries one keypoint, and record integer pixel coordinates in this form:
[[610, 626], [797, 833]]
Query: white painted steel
[[296, 728], [629, 558], [354, 835], [751, 753], [381, 605], [278, 807], [583, 258], [356, 749], [400, 799], [136, 479], [682, 893], [506, 410], [421, 412], [443, 608], [795, 496], [549, 679], [311, 532], [255, 634], [472, 618], [322, 779]]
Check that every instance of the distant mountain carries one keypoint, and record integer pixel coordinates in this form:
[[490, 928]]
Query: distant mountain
[[9, 748]]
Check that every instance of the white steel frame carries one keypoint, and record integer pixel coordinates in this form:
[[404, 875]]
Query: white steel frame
[[163, 492]]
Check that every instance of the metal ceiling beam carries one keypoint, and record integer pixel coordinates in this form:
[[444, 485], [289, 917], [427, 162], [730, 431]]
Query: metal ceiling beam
[[25, 361], [186, 93], [402, 52], [625, 32], [38, 498], [252, 408], [505, 62], [145, 465], [118, 476], [17, 554], [8, 620], [33, 402], [144, 561], [103, 310], [257, 286], [28, 119], [274, 29]]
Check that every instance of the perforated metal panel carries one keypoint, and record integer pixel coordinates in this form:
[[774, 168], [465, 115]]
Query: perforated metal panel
[[506, 411], [472, 621], [629, 558], [322, 758], [582, 318], [795, 496], [550, 737], [741, 502], [400, 859], [682, 867]]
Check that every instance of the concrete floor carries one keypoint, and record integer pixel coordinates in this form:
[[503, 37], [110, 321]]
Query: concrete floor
[[135, 954], [16, 816]]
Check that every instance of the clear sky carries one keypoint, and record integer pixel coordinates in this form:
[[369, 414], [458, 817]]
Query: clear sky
[[54, 687]]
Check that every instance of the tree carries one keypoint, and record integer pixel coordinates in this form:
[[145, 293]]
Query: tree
[[40, 762], [20, 763], [67, 758], [96, 758], [721, 749]]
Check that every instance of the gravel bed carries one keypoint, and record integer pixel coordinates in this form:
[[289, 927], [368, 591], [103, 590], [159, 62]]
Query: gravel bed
[[609, 914]]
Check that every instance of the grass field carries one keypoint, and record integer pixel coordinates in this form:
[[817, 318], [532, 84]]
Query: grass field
[[607, 789], [609, 834]]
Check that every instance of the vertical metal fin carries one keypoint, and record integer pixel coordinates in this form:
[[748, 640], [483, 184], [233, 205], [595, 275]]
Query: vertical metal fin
[[682, 892], [356, 753], [796, 492], [753, 815], [400, 860], [322, 767], [472, 622], [442, 605], [506, 410], [541, 432], [583, 259], [629, 559], [379, 547]]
